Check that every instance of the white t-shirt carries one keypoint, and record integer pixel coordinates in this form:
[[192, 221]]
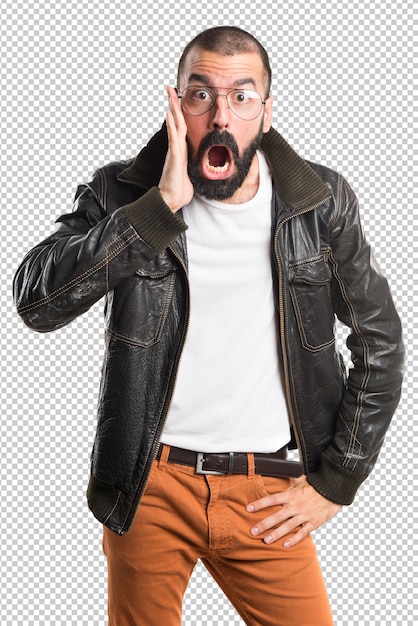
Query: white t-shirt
[[229, 393]]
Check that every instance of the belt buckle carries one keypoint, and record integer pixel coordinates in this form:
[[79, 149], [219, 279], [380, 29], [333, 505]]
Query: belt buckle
[[200, 459]]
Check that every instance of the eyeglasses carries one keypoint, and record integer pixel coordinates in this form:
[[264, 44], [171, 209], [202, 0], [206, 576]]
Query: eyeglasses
[[244, 103]]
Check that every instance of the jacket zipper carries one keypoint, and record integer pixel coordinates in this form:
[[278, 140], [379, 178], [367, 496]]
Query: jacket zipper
[[130, 518], [283, 343]]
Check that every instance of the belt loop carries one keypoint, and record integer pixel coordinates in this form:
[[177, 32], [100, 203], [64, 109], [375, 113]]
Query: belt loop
[[251, 465], [165, 453]]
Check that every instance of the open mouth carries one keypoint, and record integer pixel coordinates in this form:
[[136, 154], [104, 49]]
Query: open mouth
[[217, 162]]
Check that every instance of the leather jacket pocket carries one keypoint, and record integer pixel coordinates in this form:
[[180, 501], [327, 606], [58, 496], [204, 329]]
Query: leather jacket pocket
[[310, 291], [137, 309]]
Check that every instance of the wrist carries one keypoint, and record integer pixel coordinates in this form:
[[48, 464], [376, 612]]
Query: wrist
[[168, 200], [154, 222]]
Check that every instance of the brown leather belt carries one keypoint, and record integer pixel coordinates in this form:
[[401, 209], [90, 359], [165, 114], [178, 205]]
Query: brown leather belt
[[275, 464]]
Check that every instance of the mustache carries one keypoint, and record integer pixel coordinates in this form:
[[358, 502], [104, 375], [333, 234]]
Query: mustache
[[216, 138]]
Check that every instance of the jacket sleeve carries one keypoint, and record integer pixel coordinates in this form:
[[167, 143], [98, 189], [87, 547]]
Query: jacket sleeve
[[89, 254], [362, 301]]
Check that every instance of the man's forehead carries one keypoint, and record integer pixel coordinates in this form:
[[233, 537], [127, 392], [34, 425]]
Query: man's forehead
[[243, 67]]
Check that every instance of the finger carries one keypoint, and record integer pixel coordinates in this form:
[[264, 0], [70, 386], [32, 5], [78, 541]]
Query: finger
[[171, 128], [292, 529], [175, 107], [267, 501], [272, 521], [291, 539], [172, 94], [176, 134], [171, 123]]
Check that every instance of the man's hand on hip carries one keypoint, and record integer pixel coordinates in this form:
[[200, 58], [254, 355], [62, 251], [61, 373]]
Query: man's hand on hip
[[302, 509], [175, 186]]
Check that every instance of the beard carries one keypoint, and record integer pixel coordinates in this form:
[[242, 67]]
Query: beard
[[221, 189]]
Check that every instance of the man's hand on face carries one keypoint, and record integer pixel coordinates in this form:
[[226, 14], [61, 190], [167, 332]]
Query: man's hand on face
[[175, 186], [300, 510]]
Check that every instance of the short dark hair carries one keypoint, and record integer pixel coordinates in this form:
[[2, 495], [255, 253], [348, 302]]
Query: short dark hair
[[227, 40]]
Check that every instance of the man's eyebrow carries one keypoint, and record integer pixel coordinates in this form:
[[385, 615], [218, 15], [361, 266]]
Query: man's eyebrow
[[245, 81], [198, 78], [204, 80]]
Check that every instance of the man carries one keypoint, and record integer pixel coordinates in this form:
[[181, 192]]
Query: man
[[224, 258]]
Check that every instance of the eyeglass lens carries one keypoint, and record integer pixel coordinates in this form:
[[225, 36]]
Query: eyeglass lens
[[245, 103]]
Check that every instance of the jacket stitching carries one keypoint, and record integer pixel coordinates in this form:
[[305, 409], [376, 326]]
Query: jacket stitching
[[312, 259], [338, 203], [302, 333], [113, 508], [367, 372], [107, 269], [86, 274], [282, 291], [299, 316], [359, 401], [360, 445], [103, 189], [114, 254], [160, 274]]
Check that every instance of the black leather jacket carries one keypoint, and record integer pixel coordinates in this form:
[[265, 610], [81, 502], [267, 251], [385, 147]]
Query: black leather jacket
[[122, 242]]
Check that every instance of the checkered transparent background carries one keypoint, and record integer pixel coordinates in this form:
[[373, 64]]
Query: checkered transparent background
[[82, 84]]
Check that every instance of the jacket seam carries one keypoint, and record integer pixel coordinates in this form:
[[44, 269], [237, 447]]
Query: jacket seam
[[360, 445], [338, 202], [307, 261], [103, 189], [113, 508], [367, 370], [294, 298], [102, 263], [293, 407], [299, 318]]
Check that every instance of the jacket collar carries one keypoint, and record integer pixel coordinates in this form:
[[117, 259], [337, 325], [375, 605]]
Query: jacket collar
[[296, 182]]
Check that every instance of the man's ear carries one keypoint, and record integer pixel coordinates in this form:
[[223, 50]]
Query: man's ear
[[268, 114]]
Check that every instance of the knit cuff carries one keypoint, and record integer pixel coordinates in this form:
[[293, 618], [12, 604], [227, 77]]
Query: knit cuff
[[154, 222], [335, 482]]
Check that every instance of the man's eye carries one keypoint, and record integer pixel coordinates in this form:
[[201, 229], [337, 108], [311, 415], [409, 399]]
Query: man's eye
[[241, 97], [201, 95]]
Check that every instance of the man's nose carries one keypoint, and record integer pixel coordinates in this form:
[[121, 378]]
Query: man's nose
[[221, 113]]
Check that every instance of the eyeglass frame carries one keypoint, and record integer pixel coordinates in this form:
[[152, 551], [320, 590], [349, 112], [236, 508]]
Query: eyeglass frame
[[225, 95]]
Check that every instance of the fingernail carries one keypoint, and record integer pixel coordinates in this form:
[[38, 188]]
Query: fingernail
[[268, 539], [250, 508], [255, 530], [287, 543]]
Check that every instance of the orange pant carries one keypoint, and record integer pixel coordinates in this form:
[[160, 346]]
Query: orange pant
[[185, 516]]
